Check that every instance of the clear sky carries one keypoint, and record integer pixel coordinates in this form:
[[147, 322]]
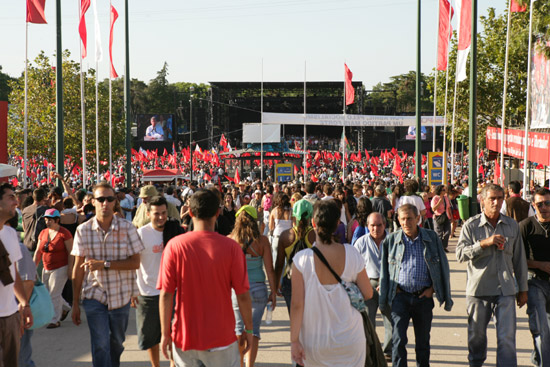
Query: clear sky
[[226, 40]]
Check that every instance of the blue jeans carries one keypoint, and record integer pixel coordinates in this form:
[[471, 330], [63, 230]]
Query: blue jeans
[[286, 290], [538, 309], [25, 351], [480, 310], [258, 294], [107, 332], [405, 307]]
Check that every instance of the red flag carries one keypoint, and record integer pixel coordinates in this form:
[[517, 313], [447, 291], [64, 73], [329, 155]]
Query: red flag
[[374, 169], [114, 17], [223, 142], [481, 170], [445, 34], [350, 92], [84, 5], [295, 170], [35, 11], [237, 178], [397, 166], [207, 177], [423, 174], [516, 8], [497, 172], [314, 179], [229, 179], [464, 37], [367, 156]]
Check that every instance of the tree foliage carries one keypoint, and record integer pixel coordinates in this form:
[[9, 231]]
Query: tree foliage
[[4, 85], [490, 73]]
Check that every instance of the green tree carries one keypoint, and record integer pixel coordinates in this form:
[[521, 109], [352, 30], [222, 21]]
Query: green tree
[[490, 72], [42, 112], [399, 95], [4, 85]]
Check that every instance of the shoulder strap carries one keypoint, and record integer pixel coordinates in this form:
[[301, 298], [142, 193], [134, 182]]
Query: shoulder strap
[[324, 261]]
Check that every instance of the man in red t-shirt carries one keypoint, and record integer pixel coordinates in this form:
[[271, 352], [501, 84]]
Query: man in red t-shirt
[[203, 266]]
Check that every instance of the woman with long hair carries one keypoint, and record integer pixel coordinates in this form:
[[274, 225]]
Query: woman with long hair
[[358, 226], [325, 329], [280, 218], [258, 255], [229, 209], [293, 240], [345, 215]]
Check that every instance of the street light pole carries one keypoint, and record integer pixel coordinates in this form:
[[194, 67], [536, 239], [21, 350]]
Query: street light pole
[[191, 90], [472, 140]]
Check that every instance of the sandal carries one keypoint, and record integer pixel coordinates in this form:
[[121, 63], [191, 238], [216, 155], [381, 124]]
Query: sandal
[[53, 325]]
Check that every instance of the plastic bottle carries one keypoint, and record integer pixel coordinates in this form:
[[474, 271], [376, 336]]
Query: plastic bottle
[[269, 314]]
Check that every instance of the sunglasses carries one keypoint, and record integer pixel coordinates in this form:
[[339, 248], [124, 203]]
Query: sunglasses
[[540, 204], [46, 247], [102, 199]]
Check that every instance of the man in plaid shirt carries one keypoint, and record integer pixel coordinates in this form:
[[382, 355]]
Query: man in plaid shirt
[[107, 253]]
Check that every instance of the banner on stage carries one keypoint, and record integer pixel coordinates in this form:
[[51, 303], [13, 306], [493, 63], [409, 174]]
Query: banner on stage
[[272, 118], [252, 133], [540, 90], [539, 150]]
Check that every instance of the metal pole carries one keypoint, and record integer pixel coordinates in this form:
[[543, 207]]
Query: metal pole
[[127, 99], [445, 179], [305, 114], [505, 89], [435, 82], [418, 143], [97, 121], [83, 114], [262, 125], [60, 151], [343, 140], [472, 169], [191, 90], [26, 124], [527, 106]]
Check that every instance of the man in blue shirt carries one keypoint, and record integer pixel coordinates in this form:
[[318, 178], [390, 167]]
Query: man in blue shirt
[[413, 267]]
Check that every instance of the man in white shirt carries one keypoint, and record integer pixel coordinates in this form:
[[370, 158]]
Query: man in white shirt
[[369, 247], [147, 303], [11, 285], [410, 197], [155, 131], [126, 203]]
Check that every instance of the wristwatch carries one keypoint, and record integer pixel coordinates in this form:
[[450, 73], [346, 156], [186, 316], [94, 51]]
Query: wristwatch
[[106, 265]]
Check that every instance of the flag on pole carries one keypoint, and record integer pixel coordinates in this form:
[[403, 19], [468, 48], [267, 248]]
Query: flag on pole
[[84, 6], [515, 7], [350, 92], [35, 11], [464, 8], [97, 31], [445, 34], [344, 144], [114, 17]]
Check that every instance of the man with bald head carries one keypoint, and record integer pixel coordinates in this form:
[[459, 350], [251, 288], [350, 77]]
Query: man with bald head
[[369, 247]]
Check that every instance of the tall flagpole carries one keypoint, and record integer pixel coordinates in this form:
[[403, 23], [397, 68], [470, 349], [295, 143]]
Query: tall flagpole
[[435, 81], [83, 113], [127, 97], [97, 120], [305, 111], [445, 178], [110, 108], [344, 131], [504, 95], [59, 145], [26, 124], [453, 134], [527, 105], [262, 124]]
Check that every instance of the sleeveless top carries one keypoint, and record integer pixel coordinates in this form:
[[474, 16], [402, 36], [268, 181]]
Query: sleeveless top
[[255, 267], [290, 249]]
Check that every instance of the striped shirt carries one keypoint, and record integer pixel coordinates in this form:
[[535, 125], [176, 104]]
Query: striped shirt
[[414, 274], [113, 288]]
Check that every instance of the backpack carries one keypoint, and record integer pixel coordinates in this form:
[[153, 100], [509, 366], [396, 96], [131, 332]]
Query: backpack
[[299, 246], [36, 224]]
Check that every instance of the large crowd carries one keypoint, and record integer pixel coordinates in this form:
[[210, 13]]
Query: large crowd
[[203, 260]]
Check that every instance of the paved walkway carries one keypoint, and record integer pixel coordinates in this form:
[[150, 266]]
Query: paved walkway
[[70, 345]]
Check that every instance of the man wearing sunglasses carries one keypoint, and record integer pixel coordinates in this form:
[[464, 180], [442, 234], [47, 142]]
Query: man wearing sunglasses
[[535, 231], [107, 253]]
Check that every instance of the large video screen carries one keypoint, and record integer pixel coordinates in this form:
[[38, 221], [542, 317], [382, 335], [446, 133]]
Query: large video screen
[[155, 127]]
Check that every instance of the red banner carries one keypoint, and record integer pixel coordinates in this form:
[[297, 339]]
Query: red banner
[[539, 144]]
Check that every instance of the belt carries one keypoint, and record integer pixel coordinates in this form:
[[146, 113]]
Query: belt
[[415, 293]]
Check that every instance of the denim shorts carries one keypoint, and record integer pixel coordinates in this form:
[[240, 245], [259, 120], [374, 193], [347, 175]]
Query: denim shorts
[[258, 294]]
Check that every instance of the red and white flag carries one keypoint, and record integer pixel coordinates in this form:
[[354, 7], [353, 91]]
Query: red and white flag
[[84, 6], [464, 8], [350, 92], [114, 17], [445, 34], [516, 8], [97, 31], [35, 11]]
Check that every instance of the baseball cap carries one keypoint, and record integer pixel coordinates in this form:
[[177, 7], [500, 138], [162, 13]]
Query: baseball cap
[[52, 213], [249, 209], [302, 208], [257, 192]]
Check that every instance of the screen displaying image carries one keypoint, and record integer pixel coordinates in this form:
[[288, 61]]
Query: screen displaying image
[[155, 127]]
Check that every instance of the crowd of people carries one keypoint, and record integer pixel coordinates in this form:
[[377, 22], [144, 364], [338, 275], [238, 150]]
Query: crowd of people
[[202, 262]]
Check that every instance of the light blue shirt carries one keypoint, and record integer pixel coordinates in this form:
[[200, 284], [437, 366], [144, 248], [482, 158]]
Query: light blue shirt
[[128, 204], [371, 254], [414, 274]]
